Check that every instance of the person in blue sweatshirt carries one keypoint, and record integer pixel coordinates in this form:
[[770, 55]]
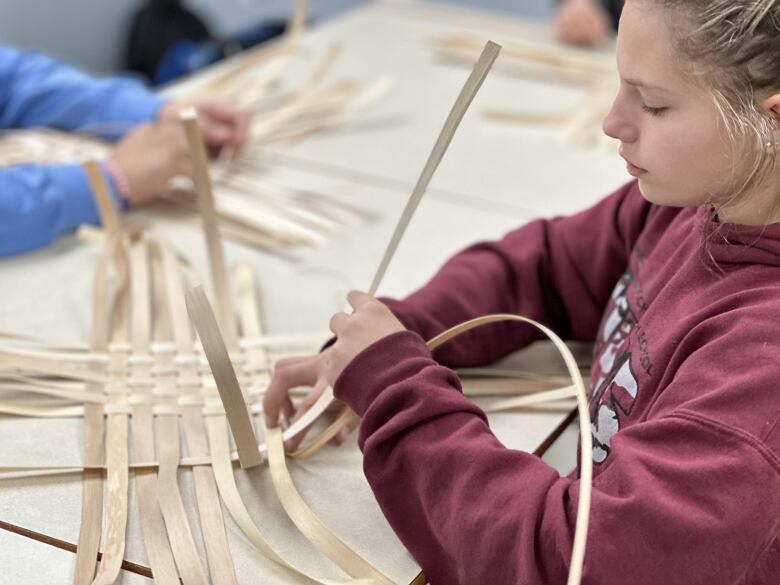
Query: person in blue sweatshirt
[[40, 202]]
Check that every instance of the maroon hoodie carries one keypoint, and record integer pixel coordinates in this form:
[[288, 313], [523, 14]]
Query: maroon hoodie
[[685, 401]]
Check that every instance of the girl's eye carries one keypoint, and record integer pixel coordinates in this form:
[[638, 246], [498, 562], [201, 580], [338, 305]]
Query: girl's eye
[[654, 111]]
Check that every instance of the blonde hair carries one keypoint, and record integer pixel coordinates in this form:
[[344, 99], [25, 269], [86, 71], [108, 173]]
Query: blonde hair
[[734, 47]]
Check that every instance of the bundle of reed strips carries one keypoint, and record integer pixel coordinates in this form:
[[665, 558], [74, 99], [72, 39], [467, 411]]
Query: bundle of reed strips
[[593, 72]]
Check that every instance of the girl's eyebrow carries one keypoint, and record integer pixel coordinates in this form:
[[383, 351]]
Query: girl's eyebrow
[[643, 85]]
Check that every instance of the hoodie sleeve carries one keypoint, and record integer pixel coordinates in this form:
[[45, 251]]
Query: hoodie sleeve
[[559, 272], [37, 91], [683, 499], [37, 203]]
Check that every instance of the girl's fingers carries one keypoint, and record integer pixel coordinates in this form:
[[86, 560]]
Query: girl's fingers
[[337, 323], [288, 374], [357, 299]]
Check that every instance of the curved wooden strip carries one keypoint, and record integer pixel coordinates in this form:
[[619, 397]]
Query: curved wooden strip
[[346, 418], [586, 447], [225, 377], [531, 399], [308, 523], [250, 320], [171, 505], [226, 483]]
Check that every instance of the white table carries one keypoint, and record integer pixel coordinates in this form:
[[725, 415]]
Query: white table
[[493, 179]]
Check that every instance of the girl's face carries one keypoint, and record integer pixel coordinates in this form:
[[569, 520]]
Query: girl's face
[[670, 131]]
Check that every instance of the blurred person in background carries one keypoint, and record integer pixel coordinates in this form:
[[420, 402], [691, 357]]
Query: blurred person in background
[[39, 202], [588, 23]]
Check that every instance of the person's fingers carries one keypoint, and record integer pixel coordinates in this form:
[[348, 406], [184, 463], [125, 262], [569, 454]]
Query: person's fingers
[[288, 410], [219, 111], [239, 126], [357, 299], [337, 323], [215, 134], [308, 401], [287, 374], [228, 126]]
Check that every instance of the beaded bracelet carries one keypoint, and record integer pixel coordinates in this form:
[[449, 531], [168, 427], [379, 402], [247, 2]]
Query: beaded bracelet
[[120, 180]]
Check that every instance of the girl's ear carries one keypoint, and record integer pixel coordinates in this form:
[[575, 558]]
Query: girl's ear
[[772, 106]]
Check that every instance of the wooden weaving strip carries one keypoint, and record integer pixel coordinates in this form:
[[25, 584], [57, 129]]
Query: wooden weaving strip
[[166, 422], [225, 377], [212, 522], [114, 526], [467, 94], [308, 523], [158, 549], [116, 458], [227, 324], [94, 436], [458, 111], [586, 447], [94, 425], [102, 196]]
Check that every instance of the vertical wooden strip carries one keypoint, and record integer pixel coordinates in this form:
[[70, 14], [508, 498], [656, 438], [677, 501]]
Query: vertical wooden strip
[[225, 377], [220, 561], [102, 195], [158, 549], [467, 94], [202, 180], [182, 542], [94, 436], [115, 524], [308, 523]]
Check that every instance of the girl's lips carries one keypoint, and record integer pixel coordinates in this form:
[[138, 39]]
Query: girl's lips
[[634, 170]]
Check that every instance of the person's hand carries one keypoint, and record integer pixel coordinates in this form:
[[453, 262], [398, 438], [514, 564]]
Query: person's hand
[[225, 128], [581, 22], [370, 322], [149, 156]]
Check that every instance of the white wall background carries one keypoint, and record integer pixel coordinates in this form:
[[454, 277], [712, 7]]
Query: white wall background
[[91, 33]]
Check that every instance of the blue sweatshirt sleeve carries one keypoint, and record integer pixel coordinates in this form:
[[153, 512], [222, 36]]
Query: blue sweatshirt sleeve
[[37, 203], [38, 91]]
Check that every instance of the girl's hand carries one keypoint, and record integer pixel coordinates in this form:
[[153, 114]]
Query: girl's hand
[[370, 322]]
